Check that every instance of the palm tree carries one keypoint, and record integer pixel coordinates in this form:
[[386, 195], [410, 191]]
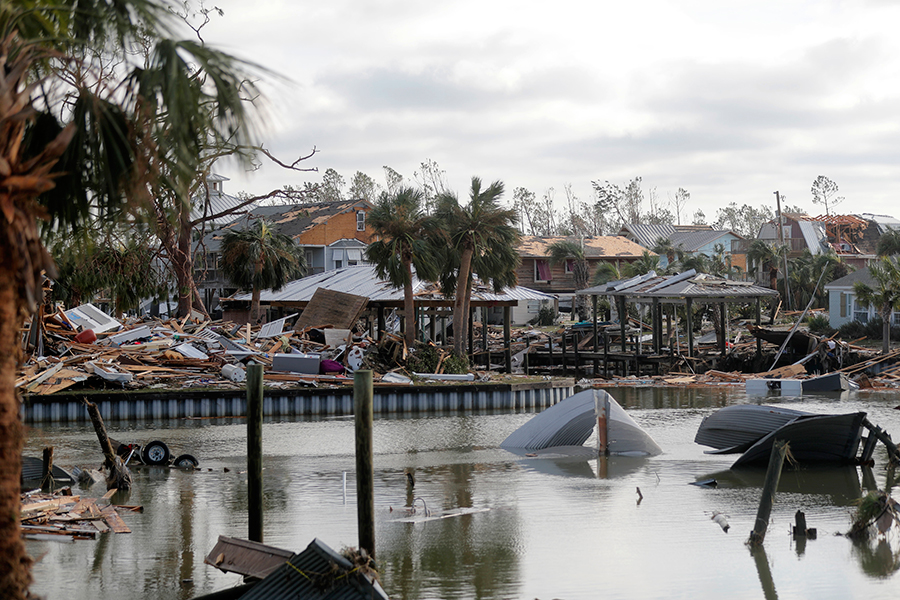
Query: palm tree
[[406, 239], [888, 243], [805, 272], [75, 148], [885, 296], [762, 254], [646, 263], [482, 240], [606, 272], [563, 251], [259, 258]]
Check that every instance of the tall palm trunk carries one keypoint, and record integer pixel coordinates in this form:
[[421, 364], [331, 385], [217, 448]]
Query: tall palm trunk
[[886, 328], [409, 306], [461, 302], [15, 575]]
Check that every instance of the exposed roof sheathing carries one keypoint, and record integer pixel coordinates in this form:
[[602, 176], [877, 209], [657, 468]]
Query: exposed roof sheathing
[[608, 247]]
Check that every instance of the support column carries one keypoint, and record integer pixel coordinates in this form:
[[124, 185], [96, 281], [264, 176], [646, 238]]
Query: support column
[[690, 327], [758, 323], [507, 353]]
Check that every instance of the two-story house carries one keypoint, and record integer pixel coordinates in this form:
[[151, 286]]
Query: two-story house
[[536, 272], [687, 240], [332, 235]]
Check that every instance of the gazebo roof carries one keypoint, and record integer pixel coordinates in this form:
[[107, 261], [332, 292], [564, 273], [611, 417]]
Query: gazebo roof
[[675, 289]]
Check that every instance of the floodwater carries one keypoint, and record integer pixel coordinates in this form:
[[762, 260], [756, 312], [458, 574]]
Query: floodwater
[[563, 529]]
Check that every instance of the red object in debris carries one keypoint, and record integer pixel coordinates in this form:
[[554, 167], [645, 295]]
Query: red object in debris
[[86, 337], [330, 366]]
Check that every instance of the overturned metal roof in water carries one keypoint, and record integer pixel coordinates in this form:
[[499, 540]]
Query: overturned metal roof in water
[[571, 422]]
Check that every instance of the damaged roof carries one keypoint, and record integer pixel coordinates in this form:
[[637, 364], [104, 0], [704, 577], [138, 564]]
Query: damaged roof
[[676, 288], [292, 220], [362, 280], [608, 247]]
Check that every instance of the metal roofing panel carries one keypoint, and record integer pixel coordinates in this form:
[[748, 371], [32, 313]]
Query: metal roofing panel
[[317, 573], [362, 280], [691, 241], [813, 234], [649, 235]]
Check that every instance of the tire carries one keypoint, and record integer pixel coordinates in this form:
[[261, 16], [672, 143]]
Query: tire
[[155, 453], [186, 461]]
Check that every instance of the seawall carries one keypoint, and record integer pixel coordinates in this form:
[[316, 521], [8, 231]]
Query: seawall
[[183, 404]]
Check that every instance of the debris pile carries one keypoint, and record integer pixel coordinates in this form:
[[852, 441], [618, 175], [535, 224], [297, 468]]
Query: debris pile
[[62, 514]]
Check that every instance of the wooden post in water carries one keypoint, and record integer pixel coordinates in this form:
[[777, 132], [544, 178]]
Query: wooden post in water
[[601, 409], [254, 452], [47, 470], [363, 396], [773, 475]]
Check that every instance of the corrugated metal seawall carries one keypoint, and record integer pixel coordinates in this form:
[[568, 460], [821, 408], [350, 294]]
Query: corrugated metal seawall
[[124, 406]]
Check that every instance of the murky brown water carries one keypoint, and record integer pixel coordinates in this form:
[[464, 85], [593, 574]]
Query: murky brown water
[[555, 528]]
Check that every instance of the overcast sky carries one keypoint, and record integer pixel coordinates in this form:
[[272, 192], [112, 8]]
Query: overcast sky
[[730, 101]]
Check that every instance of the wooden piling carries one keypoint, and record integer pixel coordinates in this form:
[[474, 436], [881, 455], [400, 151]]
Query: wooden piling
[[601, 409], [363, 394], [47, 470], [254, 452], [773, 475]]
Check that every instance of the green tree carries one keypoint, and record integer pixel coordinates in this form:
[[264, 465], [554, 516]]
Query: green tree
[[363, 187], [564, 251], [805, 271], [885, 296], [889, 243], [744, 220], [482, 240], [87, 140], [824, 191], [116, 264], [406, 238], [259, 258], [643, 265], [765, 255]]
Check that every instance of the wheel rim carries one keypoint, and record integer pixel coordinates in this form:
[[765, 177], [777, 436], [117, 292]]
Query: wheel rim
[[156, 453]]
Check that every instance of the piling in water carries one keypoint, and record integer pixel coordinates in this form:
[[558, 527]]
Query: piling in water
[[254, 452], [773, 475], [363, 393]]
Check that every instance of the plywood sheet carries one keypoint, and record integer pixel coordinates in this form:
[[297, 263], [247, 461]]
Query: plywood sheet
[[331, 308]]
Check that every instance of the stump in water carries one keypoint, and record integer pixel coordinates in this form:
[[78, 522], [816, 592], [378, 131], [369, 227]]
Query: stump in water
[[118, 475]]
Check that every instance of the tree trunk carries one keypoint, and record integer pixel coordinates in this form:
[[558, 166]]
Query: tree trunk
[[254, 305], [15, 574], [461, 303], [409, 306], [886, 328]]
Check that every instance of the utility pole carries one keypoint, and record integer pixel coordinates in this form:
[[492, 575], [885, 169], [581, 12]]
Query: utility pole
[[787, 286]]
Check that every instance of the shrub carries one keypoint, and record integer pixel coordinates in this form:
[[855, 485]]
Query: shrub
[[546, 316], [853, 330], [818, 324]]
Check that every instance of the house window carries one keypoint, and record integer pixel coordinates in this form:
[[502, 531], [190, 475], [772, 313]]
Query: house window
[[860, 313], [541, 270], [895, 319], [570, 265], [843, 303], [338, 264], [534, 307], [360, 220]]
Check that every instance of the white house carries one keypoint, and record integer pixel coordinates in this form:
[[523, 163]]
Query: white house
[[842, 304]]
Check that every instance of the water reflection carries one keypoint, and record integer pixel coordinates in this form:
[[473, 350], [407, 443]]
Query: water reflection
[[543, 515]]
